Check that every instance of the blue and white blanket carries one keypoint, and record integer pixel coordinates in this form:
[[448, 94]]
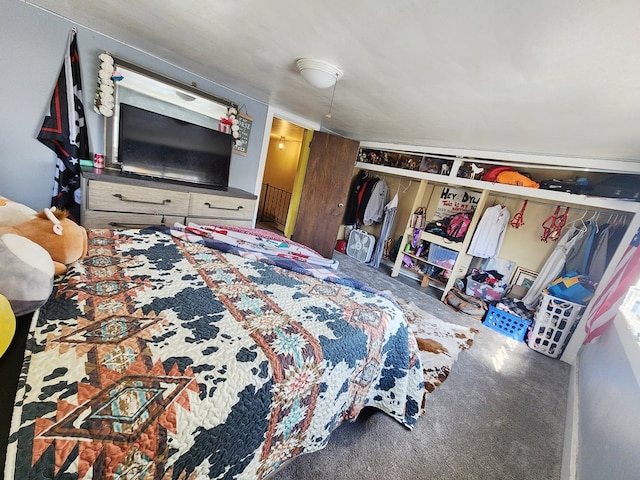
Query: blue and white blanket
[[161, 358]]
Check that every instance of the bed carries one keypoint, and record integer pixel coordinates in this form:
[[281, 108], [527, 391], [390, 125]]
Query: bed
[[203, 352]]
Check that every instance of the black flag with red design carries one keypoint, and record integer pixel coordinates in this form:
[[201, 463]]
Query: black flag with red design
[[64, 131]]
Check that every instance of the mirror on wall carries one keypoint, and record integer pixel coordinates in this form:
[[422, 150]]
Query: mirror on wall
[[152, 91]]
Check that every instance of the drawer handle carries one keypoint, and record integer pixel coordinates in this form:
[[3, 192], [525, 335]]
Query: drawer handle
[[119, 195], [136, 225], [239, 207], [124, 225]]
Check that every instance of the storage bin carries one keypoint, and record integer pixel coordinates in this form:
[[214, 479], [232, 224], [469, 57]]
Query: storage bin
[[553, 324], [484, 291], [443, 257], [506, 323]]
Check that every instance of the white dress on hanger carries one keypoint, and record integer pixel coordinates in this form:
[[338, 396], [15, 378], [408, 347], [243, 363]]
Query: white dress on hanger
[[488, 237], [553, 267]]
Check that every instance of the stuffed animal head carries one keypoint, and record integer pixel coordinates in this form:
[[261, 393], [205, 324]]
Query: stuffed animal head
[[13, 213], [62, 238]]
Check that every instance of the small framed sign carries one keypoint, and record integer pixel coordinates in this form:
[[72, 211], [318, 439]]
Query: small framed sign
[[242, 142]]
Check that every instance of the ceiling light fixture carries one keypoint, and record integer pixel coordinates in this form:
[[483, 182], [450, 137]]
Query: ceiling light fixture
[[281, 144], [318, 73]]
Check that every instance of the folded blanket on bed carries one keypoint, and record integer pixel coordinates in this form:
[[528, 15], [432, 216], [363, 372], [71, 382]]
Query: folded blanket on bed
[[279, 252]]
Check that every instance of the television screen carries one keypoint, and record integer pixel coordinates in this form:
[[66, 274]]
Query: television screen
[[156, 145]]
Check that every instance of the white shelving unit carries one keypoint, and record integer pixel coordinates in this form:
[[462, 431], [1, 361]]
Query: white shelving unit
[[462, 261]]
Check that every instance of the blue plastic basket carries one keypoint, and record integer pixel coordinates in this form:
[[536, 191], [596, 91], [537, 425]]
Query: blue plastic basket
[[506, 323]]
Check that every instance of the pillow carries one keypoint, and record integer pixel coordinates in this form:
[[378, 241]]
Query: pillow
[[26, 273], [13, 213]]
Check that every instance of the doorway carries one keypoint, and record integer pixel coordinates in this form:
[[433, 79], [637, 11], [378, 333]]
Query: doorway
[[283, 156]]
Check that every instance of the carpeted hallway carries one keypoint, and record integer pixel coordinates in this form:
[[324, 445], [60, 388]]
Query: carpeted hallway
[[500, 415]]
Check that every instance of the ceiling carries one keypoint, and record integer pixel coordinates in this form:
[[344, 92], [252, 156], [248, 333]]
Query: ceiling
[[547, 77]]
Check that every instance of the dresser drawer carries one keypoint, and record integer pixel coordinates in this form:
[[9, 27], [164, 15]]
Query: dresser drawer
[[221, 222], [116, 197], [221, 206], [97, 219]]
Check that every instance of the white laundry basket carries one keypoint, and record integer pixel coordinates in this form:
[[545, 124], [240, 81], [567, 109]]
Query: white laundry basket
[[554, 322]]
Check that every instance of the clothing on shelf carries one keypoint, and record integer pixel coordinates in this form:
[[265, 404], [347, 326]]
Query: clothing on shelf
[[488, 237]]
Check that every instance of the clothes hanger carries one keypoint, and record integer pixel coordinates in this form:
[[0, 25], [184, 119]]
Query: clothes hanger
[[595, 221], [399, 185], [583, 227]]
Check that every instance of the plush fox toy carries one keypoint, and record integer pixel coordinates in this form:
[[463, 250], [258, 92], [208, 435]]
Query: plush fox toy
[[62, 238]]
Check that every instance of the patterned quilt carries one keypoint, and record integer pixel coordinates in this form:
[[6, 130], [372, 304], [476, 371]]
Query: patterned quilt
[[158, 358]]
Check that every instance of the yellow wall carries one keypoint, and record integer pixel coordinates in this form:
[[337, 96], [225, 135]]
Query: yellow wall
[[281, 165], [301, 169]]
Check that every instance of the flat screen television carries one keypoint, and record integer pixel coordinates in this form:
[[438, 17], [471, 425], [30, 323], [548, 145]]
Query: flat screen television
[[158, 146]]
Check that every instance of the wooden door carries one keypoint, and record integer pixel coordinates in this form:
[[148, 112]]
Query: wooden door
[[324, 191]]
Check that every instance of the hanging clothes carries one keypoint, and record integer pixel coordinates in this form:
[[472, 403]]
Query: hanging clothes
[[488, 237], [390, 211], [598, 262], [357, 186], [615, 237], [374, 210], [552, 267], [361, 189], [606, 245], [363, 198], [578, 258]]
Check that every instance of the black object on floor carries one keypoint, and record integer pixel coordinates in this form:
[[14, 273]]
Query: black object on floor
[[10, 366]]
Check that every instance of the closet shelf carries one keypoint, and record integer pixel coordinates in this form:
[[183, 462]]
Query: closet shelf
[[432, 238], [509, 190], [423, 260], [444, 250]]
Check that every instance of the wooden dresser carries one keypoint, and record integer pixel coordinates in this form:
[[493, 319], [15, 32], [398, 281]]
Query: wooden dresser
[[111, 199]]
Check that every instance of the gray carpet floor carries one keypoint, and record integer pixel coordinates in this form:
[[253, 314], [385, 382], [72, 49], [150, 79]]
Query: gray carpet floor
[[499, 415]]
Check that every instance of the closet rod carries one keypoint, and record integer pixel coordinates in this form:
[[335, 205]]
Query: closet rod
[[552, 203]]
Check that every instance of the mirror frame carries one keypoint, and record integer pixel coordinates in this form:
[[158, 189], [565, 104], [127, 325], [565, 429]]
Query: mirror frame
[[111, 124]]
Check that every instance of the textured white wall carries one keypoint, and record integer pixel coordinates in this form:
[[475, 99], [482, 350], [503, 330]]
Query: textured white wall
[[609, 415]]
